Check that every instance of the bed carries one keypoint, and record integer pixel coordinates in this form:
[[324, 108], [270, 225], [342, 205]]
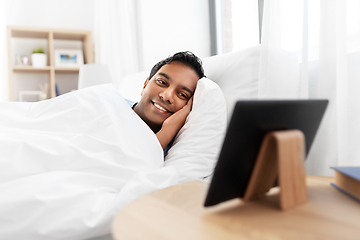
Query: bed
[[68, 164]]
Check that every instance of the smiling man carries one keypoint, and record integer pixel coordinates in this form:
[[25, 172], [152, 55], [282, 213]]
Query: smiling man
[[167, 96]]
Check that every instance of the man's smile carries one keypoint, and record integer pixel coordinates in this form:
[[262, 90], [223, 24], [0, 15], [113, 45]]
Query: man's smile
[[161, 108]]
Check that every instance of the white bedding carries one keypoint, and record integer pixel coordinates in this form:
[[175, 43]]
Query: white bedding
[[68, 164]]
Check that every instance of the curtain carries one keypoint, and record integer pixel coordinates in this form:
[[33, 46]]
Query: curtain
[[325, 36], [116, 39]]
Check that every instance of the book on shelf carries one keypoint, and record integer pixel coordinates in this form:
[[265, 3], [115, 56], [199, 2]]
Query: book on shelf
[[57, 92], [347, 180]]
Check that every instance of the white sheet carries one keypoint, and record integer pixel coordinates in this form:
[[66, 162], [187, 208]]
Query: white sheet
[[68, 164]]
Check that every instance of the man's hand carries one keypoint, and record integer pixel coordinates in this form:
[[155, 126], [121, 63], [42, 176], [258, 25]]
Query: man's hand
[[172, 124]]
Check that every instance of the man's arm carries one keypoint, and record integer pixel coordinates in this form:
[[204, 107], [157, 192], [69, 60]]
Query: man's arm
[[172, 124]]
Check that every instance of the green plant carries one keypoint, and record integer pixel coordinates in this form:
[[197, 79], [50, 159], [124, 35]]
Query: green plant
[[38, 50]]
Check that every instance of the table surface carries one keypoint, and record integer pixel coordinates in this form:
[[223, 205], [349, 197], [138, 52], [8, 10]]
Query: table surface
[[178, 213]]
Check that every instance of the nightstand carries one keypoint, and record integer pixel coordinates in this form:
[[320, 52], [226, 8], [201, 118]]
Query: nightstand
[[177, 213]]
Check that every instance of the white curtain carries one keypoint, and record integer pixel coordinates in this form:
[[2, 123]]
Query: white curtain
[[116, 39], [325, 36]]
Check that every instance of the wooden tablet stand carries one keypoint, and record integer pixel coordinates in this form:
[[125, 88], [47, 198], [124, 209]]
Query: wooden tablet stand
[[281, 156]]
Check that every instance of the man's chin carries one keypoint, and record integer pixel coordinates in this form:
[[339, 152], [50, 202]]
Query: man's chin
[[155, 124]]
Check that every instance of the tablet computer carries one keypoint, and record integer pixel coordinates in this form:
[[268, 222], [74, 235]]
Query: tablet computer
[[250, 122]]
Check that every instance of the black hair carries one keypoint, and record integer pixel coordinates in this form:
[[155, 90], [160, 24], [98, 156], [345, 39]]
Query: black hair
[[187, 58]]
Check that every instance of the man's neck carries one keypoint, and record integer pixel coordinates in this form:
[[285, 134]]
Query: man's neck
[[154, 127]]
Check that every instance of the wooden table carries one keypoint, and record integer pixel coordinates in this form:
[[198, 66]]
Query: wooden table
[[177, 213]]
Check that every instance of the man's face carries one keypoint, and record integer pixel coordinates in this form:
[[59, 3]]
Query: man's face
[[165, 93]]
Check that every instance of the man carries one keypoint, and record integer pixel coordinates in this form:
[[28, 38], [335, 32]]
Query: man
[[167, 95]]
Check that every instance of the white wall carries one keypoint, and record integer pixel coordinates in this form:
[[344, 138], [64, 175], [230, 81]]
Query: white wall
[[170, 26], [67, 14]]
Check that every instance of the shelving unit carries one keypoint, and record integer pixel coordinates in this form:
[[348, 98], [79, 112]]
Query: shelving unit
[[49, 36]]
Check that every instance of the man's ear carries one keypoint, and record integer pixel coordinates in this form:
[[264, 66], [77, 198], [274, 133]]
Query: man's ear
[[145, 84]]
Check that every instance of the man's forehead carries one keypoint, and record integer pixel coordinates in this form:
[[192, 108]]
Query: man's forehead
[[170, 69]]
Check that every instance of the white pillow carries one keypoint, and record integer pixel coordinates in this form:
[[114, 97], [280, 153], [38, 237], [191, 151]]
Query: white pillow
[[131, 85], [237, 74], [197, 145]]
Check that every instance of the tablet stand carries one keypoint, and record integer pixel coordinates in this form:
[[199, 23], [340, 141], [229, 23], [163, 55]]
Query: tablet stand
[[281, 157]]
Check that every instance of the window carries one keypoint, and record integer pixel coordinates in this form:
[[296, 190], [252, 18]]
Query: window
[[234, 24]]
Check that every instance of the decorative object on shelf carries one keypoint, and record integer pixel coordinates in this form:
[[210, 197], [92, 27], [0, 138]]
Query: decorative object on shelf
[[44, 87], [68, 58], [30, 96], [23, 60], [38, 58]]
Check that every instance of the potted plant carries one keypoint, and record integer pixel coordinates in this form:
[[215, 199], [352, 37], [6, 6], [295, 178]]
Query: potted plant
[[38, 57]]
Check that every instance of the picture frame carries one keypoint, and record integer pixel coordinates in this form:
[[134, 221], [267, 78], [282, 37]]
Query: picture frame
[[31, 96], [68, 57]]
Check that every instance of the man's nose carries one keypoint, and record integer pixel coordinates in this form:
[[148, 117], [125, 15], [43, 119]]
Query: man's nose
[[168, 95]]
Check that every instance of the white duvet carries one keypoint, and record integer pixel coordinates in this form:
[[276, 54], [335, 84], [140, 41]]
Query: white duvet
[[68, 164]]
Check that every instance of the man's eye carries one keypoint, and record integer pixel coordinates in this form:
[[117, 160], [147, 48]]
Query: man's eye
[[161, 82], [183, 96]]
